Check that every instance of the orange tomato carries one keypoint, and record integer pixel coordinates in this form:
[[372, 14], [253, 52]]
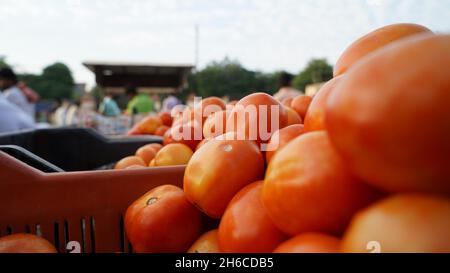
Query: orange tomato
[[162, 220], [173, 154], [207, 107], [166, 118], [161, 130], [189, 134], [282, 137], [374, 114], [148, 125], [315, 117], [152, 163], [310, 243], [155, 146], [25, 243], [293, 117], [255, 110], [215, 124], [287, 101], [309, 189], [301, 104], [135, 167], [129, 161], [207, 243], [401, 223], [201, 143], [218, 170], [146, 153], [245, 226], [373, 41]]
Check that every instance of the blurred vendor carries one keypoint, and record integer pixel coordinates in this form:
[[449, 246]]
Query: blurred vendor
[[286, 90], [139, 103], [12, 92], [108, 107], [12, 118]]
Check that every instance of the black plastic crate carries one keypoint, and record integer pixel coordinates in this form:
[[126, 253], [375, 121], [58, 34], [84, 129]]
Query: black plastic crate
[[70, 149]]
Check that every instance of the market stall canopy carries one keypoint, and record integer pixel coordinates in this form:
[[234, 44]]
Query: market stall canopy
[[147, 77]]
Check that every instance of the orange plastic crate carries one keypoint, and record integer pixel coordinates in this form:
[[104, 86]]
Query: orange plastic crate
[[87, 207]]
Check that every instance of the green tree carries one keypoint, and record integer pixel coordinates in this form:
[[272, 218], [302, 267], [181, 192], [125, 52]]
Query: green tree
[[317, 70], [55, 82], [230, 78], [3, 63]]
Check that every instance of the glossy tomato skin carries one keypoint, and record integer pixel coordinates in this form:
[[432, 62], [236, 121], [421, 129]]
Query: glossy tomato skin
[[207, 243], [381, 143], [161, 131], [245, 226], [218, 170], [248, 125], [310, 243], [301, 104], [293, 117], [129, 161], [166, 118], [190, 134], [162, 220], [207, 107], [308, 188], [373, 41], [412, 222], [25, 243], [215, 124], [282, 137], [315, 117]]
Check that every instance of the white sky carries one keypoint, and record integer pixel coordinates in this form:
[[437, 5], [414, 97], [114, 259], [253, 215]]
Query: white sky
[[262, 35]]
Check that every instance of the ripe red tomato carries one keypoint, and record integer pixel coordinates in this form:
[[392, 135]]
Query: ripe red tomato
[[301, 104], [412, 222], [218, 170], [253, 119], [315, 117], [162, 220], [308, 188], [245, 226], [310, 243], [25, 243], [390, 120], [207, 107], [189, 134], [282, 137], [207, 243], [166, 118]]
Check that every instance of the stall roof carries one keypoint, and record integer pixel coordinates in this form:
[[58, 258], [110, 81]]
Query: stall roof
[[150, 75]]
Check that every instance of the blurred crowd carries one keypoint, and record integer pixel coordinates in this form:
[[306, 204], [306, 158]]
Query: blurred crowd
[[113, 114]]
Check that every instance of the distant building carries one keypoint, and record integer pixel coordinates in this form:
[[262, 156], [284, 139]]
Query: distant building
[[146, 77]]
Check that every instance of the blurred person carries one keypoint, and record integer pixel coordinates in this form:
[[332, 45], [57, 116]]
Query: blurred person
[[61, 113], [190, 100], [157, 102], [12, 92], [12, 118], [139, 103], [31, 95], [108, 107], [170, 102], [286, 90]]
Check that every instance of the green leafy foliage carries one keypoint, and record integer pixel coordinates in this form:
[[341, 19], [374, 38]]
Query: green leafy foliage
[[317, 70], [55, 82]]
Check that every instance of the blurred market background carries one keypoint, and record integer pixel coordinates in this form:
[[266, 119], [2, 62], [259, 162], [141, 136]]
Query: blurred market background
[[99, 63]]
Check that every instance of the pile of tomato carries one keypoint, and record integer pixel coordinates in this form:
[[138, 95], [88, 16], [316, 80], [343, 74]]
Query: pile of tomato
[[363, 166]]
